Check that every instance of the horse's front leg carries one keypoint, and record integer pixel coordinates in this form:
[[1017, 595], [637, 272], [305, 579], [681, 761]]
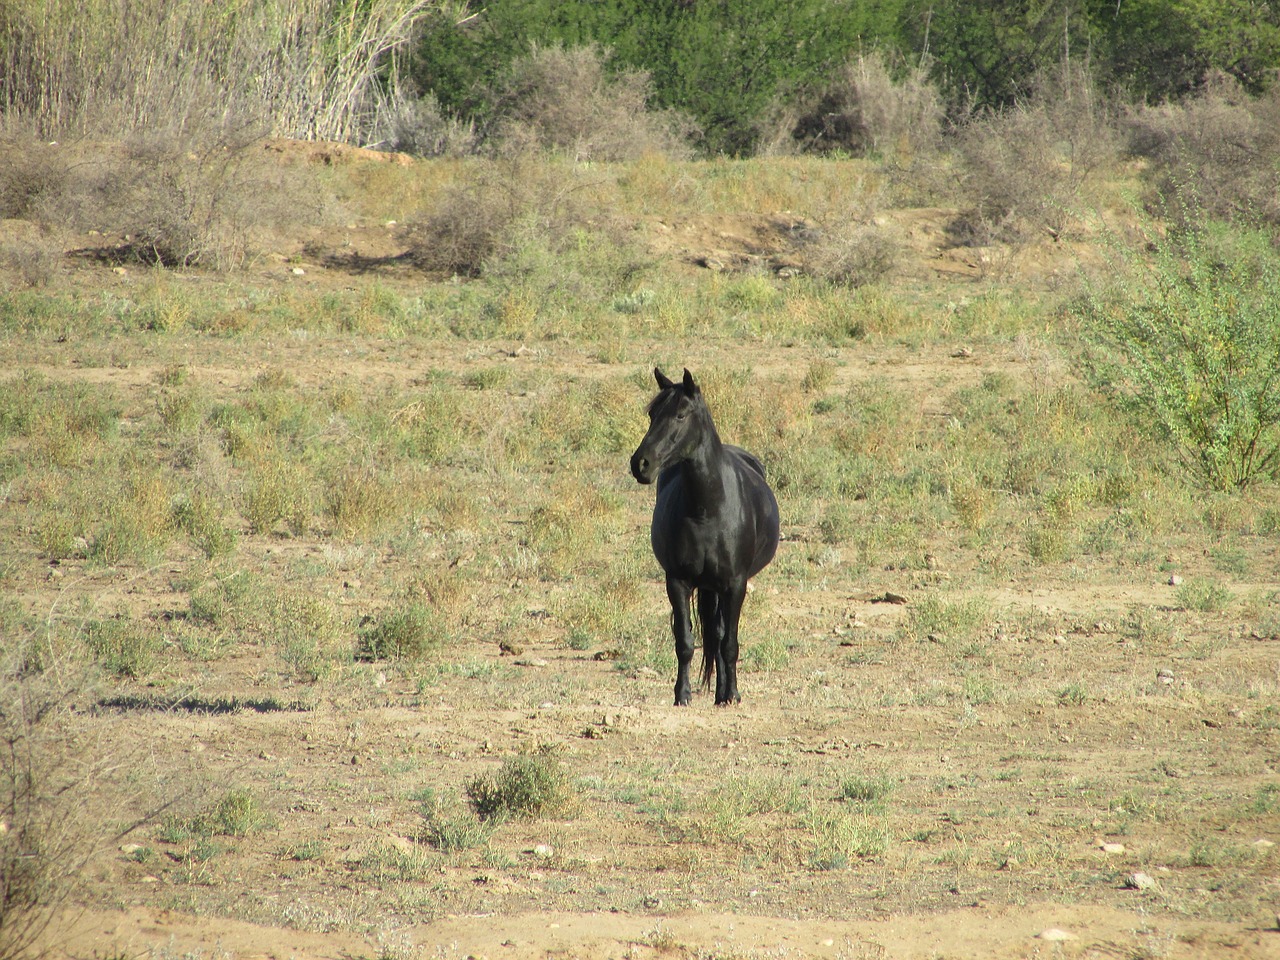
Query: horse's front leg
[[682, 629], [727, 655]]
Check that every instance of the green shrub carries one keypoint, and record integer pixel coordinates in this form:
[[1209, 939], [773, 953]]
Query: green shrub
[[530, 784], [410, 632], [1189, 345]]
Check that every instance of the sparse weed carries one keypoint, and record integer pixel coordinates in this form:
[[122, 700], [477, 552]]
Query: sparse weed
[[841, 838], [124, 646], [1203, 596], [935, 618]]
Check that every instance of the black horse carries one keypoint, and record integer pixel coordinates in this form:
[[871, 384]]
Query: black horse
[[715, 525]]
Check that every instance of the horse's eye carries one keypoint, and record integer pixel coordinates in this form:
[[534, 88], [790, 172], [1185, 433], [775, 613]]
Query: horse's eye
[[682, 415]]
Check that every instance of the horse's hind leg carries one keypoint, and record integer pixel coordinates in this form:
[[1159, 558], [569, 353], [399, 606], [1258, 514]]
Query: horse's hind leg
[[682, 629], [727, 658], [712, 623]]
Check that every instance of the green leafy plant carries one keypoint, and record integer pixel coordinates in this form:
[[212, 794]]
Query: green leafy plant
[[1189, 344]]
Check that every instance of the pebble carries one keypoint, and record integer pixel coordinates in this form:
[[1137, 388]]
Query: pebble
[[1262, 845], [1113, 848], [530, 662], [1175, 580], [1139, 881], [544, 851], [1056, 935]]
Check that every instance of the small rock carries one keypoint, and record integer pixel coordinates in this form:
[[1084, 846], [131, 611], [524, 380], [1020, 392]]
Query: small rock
[[129, 849], [544, 851], [1056, 935], [530, 662], [119, 271], [299, 272], [1175, 580], [1139, 881], [1165, 675], [1113, 848], [1262, 845]]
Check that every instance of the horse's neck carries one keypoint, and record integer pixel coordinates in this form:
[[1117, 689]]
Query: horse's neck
[[703, 473]]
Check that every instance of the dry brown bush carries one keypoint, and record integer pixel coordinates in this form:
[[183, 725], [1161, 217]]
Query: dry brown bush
[[45, 841], [1219, 146], [564, 100], [1026, 167], [418, 125], [506, 198], [866, 111], [189, 195]]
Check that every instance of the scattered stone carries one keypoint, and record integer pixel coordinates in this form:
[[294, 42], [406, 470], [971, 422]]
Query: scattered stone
[[1057, 935], [1113, 848], [119, 271], [530, 662], [1165, 675], [1262, 845], [1175, 580], [129, 849], [299, 272], [544, 851], [1139, 881]]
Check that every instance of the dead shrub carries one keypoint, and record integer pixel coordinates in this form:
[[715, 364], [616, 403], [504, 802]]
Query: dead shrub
[[505, 200], [1219, 146], [419, 126], [865, 110], [195, 194], [564, 100], [31, 172], [47, 834], [1026, 167], [855, 253], [28, 253]]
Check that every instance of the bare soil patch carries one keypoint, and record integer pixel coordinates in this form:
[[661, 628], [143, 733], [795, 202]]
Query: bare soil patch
[[1009, 760]]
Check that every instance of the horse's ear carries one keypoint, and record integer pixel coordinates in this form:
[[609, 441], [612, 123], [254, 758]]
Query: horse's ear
[[690, 387], [663, 380]]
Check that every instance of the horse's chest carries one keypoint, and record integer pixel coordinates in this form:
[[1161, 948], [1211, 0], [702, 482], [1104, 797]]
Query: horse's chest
[[695, 546]]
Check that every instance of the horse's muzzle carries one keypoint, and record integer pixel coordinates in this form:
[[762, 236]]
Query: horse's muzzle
[[641, 468]]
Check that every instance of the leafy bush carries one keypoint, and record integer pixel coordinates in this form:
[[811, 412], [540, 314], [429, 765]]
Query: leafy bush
[[1189, 345]]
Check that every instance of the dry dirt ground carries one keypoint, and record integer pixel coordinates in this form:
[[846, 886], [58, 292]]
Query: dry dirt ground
[[697, 832]]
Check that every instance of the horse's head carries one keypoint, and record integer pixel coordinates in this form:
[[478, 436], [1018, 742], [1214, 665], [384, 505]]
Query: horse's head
[[678, 422]]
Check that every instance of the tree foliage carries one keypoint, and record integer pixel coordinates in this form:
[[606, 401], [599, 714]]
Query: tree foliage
[[727, 63]]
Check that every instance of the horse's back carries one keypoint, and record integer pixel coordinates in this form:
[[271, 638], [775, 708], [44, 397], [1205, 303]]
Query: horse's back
[[747, 457]]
